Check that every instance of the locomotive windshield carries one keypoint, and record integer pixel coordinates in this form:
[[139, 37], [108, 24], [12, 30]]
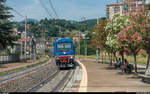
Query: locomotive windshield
[[64, 47]]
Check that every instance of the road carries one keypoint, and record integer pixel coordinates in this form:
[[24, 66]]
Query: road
[[104, 78]]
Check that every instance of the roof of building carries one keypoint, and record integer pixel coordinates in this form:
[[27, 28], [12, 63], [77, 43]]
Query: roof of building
[[114, 4]]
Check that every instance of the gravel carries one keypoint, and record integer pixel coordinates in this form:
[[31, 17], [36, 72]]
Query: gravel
[[54, 82], [77, 76], [25, 83]]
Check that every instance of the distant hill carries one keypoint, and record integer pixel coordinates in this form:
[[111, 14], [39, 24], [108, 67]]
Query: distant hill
[[29, 20], [89, 23], [52, 26]]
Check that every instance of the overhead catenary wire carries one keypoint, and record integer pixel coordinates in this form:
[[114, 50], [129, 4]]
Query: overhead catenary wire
[[18, 13], [42, 4], [53, 8], [51, 4]]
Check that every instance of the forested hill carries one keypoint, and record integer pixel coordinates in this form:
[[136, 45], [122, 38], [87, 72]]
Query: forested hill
[[90, 23], [52, 26]]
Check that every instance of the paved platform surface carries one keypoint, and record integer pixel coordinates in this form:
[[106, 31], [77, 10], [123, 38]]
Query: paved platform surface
[[104, 78]]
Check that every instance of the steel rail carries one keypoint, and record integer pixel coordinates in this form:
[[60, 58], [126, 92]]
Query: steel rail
[[62, 82], [16, 75], [57, 87], [35, 88]]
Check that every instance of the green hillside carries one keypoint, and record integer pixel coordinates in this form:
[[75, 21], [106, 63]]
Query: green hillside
[[52, 26]]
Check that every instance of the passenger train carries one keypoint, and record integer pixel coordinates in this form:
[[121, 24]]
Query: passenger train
[[64, 53]]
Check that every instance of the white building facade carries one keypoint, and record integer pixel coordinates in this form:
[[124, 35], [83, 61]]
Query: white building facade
[[124, 7], [113, 9]]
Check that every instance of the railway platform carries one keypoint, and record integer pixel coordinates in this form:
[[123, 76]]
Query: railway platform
[[104, 78]]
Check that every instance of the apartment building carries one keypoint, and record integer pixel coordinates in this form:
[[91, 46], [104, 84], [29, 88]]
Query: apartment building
[[124, 7], [113, 9]]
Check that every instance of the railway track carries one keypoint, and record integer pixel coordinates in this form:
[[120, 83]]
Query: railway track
[[16, 75], [56, 87], [61, 74], [43, 82], [61, 85]]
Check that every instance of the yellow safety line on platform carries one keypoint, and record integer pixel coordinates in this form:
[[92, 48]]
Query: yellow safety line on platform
[[83, 84]]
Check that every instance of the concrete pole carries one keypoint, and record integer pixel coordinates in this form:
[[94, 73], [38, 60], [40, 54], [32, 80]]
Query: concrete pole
[[86, 49], [31, 49], [97, 45], [60, 33], [34, 48], [21, 50], [44, 43], [97, 56], [79, 44], [25, 45]]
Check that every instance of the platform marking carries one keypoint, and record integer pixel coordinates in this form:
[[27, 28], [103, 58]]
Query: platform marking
[[83, 84]]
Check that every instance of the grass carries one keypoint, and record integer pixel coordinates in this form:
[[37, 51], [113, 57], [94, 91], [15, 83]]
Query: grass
[[140, 59], [42, 60]]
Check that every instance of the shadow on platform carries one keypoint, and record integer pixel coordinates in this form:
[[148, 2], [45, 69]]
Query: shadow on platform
[[110, 68], [3, 66]]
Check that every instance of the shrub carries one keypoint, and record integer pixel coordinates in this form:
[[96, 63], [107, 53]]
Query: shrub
[[143, 55]]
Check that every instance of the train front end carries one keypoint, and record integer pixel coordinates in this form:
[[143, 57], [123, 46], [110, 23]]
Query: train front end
[[64, 53]]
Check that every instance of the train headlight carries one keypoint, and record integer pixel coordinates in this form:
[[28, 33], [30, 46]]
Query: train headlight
[[71, 57]]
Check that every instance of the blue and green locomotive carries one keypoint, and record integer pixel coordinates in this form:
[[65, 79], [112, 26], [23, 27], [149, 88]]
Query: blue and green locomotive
[[64, 53]]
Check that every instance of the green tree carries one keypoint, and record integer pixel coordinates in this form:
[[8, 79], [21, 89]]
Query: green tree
[[6, 36], [140, 19], [115, 26], [100, 35], [136, 36]]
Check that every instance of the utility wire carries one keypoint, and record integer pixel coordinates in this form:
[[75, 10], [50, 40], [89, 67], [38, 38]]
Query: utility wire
[[18, 13], [51, 4], [45, 9]]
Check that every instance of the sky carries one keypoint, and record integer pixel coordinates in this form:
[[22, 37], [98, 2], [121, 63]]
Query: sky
[[66, 9]]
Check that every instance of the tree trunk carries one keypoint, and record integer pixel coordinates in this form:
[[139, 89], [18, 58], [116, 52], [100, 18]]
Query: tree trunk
[[147, 66], [122, 56], [109, 56], [111, 59], [102, 57], [105, 56], [115, 56], [135, 63]]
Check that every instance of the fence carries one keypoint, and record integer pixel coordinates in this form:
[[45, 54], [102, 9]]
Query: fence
[[10, 58], [13, 58]]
